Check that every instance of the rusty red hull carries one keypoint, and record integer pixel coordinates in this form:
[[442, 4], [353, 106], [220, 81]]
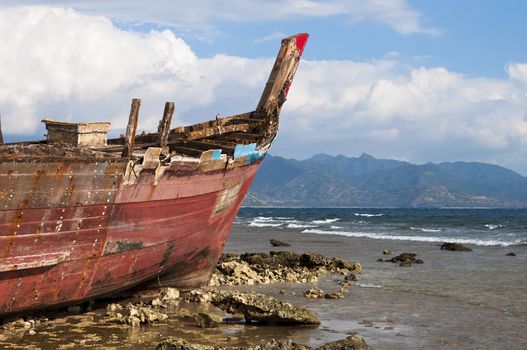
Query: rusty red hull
[[83, 218], [73, 231]]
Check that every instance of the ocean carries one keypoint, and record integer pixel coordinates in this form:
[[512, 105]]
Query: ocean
[[454, 300], [482, 227]]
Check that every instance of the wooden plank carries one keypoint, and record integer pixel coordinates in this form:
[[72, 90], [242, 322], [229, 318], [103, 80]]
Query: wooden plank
[[213, 131], [186, 150], [164, 126], [131, 128]]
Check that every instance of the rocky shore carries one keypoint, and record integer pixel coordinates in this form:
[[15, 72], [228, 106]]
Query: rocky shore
[[212, 307]]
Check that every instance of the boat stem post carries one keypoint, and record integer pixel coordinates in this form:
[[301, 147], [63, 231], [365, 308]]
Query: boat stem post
[[164, 126], [131, 128]]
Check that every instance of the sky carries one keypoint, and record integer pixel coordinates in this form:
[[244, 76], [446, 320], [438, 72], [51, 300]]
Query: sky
[[421, 81]]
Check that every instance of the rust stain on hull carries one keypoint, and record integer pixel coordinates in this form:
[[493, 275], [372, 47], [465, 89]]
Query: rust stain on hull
[[80, 220]]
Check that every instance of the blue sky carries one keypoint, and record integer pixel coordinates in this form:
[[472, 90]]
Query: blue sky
[[475, 37], [413, 80]]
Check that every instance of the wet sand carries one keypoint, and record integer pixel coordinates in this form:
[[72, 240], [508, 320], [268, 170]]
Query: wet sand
[[455, 300]]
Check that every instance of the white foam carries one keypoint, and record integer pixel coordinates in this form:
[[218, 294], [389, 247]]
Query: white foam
[[263, 218], [369, 285], [366, 215], [264, 224], [493, 226], [425, 229], [413, 238], [325, 221]]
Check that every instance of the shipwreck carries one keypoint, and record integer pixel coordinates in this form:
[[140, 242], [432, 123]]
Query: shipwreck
[[83, 216]]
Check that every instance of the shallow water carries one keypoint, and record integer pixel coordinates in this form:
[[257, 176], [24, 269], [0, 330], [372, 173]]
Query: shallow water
[[455, 300]]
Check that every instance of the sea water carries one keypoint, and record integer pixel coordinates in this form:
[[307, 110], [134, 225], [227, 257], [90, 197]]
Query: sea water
[[485, 227]]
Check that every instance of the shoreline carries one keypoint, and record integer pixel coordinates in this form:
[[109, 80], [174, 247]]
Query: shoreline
[[454, 300], [463, 300]]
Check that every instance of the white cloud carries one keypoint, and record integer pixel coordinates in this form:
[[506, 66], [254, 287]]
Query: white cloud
[[205, 14], [70, 65], [63, 64], [517, 71]]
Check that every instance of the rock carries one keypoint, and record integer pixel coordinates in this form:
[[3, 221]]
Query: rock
[[311, 260], [344, 286], [180, 344], [257, 259], [169, 294], [336, 295], [357, 267], [277, 243], [136, 315], [262, 308], [351, 277], [404, 259], [277, 266], [197, 296], [338, 263], [238, 270], [282, 292], [31, 332], [510, 254], [354, 342], [285, 259], [314, 293], [278, 345], [386, 252], [112, 308], [456, 247], [204, 320]]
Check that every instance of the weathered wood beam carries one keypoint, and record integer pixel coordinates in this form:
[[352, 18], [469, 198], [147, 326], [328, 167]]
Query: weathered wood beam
[[219, 143], [185, 150], [164, 126], [212, 131], [131, 128], [239, 137], [205, 145]]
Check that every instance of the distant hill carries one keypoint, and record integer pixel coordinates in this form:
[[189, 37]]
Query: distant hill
[[328, 181]]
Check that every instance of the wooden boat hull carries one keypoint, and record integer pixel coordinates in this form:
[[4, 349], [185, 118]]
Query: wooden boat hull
[[114, 236], [81, 218]]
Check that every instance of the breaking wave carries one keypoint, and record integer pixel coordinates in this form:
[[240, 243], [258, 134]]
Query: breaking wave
[[264, 224], [325, 221], [481, 242], [264, 221], [366, 215], [425, 229], [493, 226]]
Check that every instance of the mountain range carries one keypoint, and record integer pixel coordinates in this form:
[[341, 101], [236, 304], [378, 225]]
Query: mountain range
[[340, 181]]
